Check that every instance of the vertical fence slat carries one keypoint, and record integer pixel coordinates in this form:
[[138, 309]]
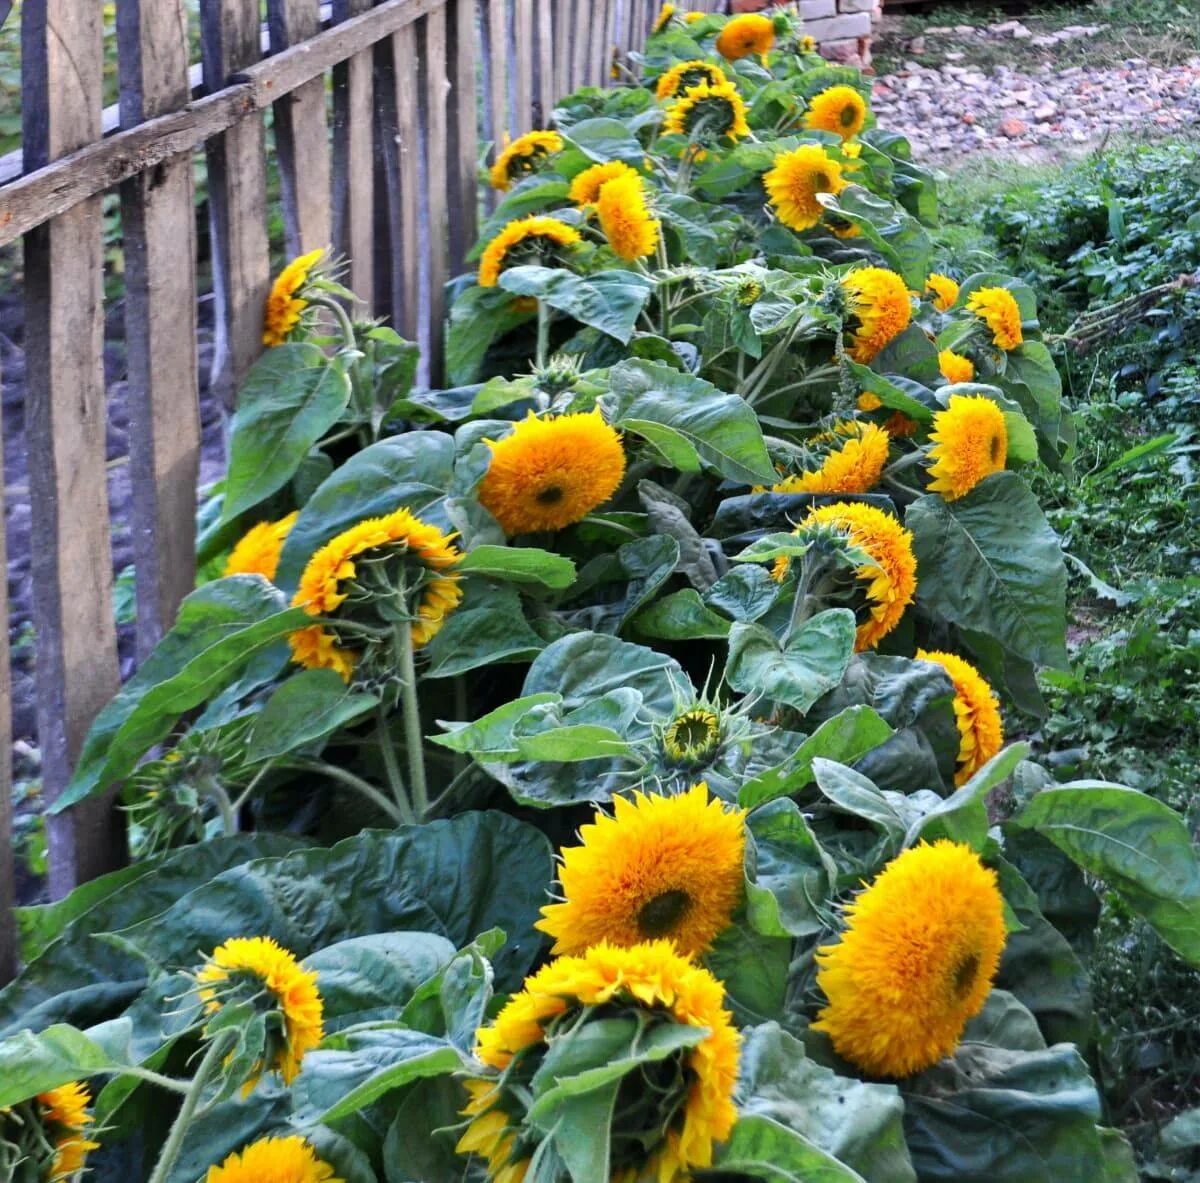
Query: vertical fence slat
[[544, 36], [408, 136], [523, 40], [65, 432], [8, 870], [436, 181], [498, 72], [600, 43], [578, 39], [463, 133], [301, 135], [237, 196]]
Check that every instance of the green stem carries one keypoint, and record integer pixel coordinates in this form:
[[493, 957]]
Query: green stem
[[244, 796], [413, 739], [220, 798], [398, 811], [543, 334], [391, 764], [344, 321], [163, 1082]]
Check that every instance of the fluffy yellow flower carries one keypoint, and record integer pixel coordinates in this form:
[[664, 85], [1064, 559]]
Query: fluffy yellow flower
[[868, 401], [707, 112], [890, 578], [690, 18], [286, 303], [880, 303], [970, 442], [549, 473], [687, 74], [980, 729], [325, 584], [651, 978], [840, 109], [915, 962], [795, 179], [625, 218], [855, 467], [998, 309], [744, 35], [664, 18], [660, 867], [64, 1117], [943, 290], [522, 156], [273, 1160], [228, 972], [258, 550], [954, 367], [530, 238], [586, 186]]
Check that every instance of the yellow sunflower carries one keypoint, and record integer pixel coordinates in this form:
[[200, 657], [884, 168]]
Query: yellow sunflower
[[329, 580], [916, 960], [707, 112], [585, 186], [625, 218], [795, 179], [258, 550], [522, 156], [970, 441], [249, 967], [652, 981], [943, 290], [531, 238], [868, 401], [690, 18], [855, 467], [664, 18], [891, 576], [692, 737], [954, 367], [879, 301], [980, 729], [808, 44], [660, 867], [687, 74], [998, 309], [548, 473], [840, 109], [273, 1160], [64, 1116], [744, 35], [286, 302]]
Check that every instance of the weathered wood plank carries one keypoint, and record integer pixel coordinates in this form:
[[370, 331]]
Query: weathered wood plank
[[8, 886], [546, 85], [65, 433], [301, 134], [579, 41], [159, 223], [522, 15], [354, 160], [408, 196], [463, 132], [437, 228], [498, 68]]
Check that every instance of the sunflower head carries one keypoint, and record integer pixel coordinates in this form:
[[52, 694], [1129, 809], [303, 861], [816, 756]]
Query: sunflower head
[[672, 1112], [915, 962], [840, 109], [693, 736], [288, 298], [744, 35], [380, 572], [980, 729], [706, 113], [585, 186], [880, 309], [855, 465], [683, 75], [46, 1137], [273, 1160], [808, 44], [954, 367], [942, 291], [663, 18], [970, 442], [523, 156], [794, 181], [535, 239], [748, 292], [998, 309], [257, 551], [547, 474], [625, 218]]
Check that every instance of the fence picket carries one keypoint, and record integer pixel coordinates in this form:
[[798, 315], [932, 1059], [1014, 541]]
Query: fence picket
[[463, 132], [408, 194], [437, 228], [524, 45], [8, 869], [578, 40]]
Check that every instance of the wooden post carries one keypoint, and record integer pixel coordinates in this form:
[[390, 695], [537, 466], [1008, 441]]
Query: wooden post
[[463, 133], [408, 184], [523, 62], [545, 63], [498, 66], [65, 429], [578, 41], [437, 227], [8, 887]]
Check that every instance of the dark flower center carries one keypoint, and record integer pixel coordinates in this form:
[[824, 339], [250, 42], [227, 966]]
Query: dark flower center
[[848, 116], [551, 495], [997, 451], [661, 916], [965, 974]]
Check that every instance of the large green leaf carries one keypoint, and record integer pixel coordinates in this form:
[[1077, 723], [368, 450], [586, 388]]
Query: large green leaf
[[762, 1148], [606, 139], [307, 707], [990, 561], [490, 630], [606, 300], [520, 564], [292, 396], [962, 817], [681, 616], [789, 877], [637, 570], [32, 1064]]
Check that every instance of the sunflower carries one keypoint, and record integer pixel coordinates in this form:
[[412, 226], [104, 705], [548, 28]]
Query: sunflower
[[915, 962], [981, 732], [955, 367], [258, 969], [687, 74], [667, 1130], [531, 238], [523, 156], [808, 44], [744, 35], [891, 576], [970, 442], [273, 1160], [855, 467], [585, 187], [625, 218], [664, 18], [64, 1117], [998, 309], [257, 551], [549, 473], [329, 580], [707, 112], [693, 736], [943, 290], [795, 179], [869, 401], [660, 867], [840, 109], [286, 302], [879, 301]]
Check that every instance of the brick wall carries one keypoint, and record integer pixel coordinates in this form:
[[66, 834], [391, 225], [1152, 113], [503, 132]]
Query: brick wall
[[842, 28]]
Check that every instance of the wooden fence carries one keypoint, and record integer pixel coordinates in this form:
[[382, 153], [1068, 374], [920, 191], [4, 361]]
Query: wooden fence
[[378, 113]]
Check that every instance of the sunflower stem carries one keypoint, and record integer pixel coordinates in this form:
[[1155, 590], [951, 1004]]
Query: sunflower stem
[[412, 719], [392, 765], [170, 1083], [398, 812], [339, 314], [543, 334], [217, 795]]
